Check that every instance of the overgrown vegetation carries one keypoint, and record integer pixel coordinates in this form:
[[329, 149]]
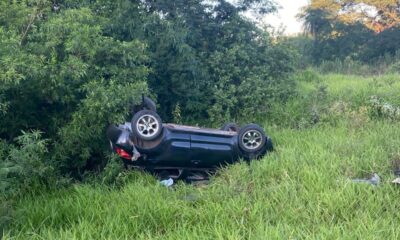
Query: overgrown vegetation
[[329, 99], [347, 36], [302, 190], [70, 68]]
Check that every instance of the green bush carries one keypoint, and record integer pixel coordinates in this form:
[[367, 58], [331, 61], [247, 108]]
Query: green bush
[[27, 167], [307, 75], [382, 109], [68, 79], [394, 68], [302, 111], [113, 171], [80, 65], [249, 82], [82, 143]]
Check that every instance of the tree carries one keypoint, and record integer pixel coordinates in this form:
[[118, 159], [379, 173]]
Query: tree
[[351, 28], [182, 37], [317, 22], [68, 79], [377, 15]]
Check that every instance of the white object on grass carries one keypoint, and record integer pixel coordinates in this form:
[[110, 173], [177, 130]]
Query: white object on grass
[[168, 182]]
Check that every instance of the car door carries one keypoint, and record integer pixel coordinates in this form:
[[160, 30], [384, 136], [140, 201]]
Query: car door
[[211, 149], [174, 150]]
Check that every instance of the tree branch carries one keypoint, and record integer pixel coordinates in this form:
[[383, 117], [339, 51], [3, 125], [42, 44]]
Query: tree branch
[[30, 23]]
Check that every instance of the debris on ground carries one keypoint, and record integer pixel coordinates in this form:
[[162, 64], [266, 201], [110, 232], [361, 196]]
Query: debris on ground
[[374, 180], [396, 181], [167, 182]]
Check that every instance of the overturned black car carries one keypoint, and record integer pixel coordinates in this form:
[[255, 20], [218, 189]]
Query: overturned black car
[[183, 152]]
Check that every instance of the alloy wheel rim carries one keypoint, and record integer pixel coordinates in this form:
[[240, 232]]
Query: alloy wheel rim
[[252, 139], [147, 125]]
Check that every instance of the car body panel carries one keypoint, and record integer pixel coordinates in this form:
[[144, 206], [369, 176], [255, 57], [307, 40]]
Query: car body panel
[[183, 147], [196, 147], [211, 149], [178, 151]]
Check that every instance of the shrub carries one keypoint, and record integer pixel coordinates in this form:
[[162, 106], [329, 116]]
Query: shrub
[[27, 167], [177, 114], [68, 79], [248, 82], [394, 68], [113, 171], [382, 109], [308, 75], [82, 143]]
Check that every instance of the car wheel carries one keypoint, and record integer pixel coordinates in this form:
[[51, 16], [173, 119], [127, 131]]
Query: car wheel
[[230, 127], [252, 138], [146, 125]]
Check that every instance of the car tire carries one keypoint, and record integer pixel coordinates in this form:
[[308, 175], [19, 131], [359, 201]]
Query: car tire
[[270, 145], [252, 138], [146, 104], [146, 125], [149, 104], [230, 127]]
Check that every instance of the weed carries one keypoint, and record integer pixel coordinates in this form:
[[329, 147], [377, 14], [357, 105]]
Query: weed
[[383, 109]]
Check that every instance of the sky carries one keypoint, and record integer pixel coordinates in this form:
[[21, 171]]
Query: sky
[[286, 16]]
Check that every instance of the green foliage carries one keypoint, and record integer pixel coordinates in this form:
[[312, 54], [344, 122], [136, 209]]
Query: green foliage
[[347, 30], [347, 66], [376, 15], [302, 111], [327, 133], [27, 167], [386, 64], [82, 141], [4, 148], [394, 68], [177, 114], [69, 80], [245, 87], [187, 47], [304, 45], [114, 172], [382, 109], [301, 190], [307, 75], [6, 214], [328, 99], [69, 68]]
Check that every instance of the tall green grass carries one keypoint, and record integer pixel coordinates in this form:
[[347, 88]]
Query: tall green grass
[[383, 65], [302, 190]]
